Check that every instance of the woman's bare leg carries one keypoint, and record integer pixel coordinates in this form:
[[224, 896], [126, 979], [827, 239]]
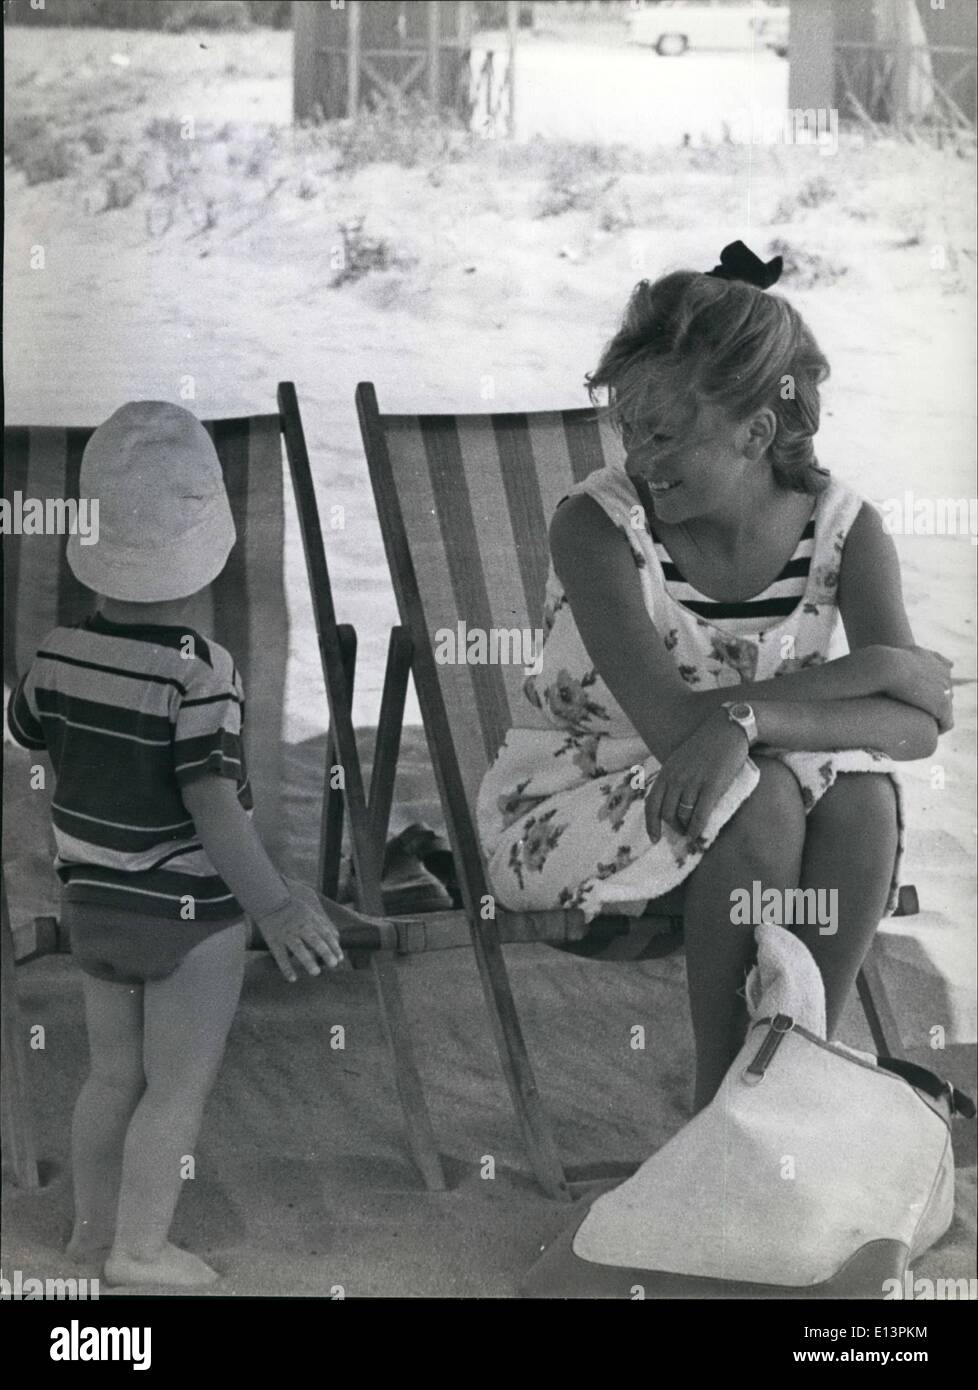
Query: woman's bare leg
[[762, 842], [103, 1110], [186, 1021], [850, 846]]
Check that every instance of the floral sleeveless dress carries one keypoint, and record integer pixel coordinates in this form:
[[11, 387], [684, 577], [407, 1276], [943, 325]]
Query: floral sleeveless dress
[[561, 811]]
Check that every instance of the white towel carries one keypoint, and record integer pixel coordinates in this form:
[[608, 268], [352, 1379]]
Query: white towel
[[786, 980]]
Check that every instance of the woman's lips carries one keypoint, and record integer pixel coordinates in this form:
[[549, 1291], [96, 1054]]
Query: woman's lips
[[660, 489]]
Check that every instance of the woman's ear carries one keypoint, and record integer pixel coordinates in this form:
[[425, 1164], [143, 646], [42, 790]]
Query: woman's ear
[[760, 430]]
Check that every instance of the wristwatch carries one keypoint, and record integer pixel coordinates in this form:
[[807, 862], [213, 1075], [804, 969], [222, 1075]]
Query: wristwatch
[[740, 712]]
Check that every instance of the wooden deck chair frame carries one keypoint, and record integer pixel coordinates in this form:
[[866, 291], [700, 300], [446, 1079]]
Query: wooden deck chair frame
[[338, 651], [411, 649]]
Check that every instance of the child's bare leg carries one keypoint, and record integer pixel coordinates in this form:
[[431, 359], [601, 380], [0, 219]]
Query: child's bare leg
[[186, 1021], [105, 1105], [762, 842], [850, 846]]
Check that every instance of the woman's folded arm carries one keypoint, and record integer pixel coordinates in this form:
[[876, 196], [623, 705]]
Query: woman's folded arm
[[889, 726], [594, 562]]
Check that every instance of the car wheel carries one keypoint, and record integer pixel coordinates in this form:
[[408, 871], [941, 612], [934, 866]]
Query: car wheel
[[671, 45]]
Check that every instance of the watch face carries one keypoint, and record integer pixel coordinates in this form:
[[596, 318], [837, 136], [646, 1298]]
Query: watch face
[[741, 711]]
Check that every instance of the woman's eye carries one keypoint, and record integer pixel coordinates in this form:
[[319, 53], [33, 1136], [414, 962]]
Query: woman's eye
[[635, 440]]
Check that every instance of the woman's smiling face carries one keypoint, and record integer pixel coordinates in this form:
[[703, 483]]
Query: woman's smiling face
[[687, 463]]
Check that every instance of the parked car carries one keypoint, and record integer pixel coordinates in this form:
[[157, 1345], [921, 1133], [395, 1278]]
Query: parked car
[[674, 28]]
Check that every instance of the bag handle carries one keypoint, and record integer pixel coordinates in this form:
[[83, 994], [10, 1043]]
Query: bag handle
[[931, 1084]]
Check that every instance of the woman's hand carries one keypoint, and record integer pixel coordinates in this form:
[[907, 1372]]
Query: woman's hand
[[693, 778], [920, 678]]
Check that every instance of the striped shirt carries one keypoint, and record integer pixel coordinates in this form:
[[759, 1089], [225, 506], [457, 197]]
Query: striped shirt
[[130, 714], [781, 597]]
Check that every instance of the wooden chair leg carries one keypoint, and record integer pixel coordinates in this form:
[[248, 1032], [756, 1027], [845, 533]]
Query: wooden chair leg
[[534, 1125], [15, 1114], [876, 1006], [367, 856], [533, 1121], [390, 723], [420, 1135], [367, 847], [331, 834]]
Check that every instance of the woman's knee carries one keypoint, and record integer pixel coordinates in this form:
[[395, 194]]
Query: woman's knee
[[773, 814], [859, 807]]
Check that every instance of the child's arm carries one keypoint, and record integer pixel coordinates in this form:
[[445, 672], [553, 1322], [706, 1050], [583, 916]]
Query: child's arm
[[233, 846], [209, 765], [22, 723]]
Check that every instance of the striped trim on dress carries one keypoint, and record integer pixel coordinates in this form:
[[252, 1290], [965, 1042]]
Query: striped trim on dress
[[779, 599]]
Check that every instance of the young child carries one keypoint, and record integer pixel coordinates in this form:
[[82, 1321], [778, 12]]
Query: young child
[[701, 734], [159, 859]]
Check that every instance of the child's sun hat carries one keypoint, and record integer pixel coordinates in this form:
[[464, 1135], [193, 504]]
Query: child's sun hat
[[165, 528]]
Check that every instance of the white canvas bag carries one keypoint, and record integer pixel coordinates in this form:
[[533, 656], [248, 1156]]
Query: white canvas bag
[[815, 1170]]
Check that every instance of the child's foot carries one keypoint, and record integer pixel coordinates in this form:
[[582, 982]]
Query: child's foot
[[87, 1245], [171, 1266]]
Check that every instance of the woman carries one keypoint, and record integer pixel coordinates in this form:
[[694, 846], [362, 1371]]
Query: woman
[[701, 734]]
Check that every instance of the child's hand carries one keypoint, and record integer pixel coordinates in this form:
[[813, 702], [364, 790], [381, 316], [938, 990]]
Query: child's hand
[[920, 678], [301, 930], [693, 778]]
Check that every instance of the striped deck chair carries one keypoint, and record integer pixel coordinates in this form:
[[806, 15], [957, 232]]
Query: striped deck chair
[[464, 503], [245, 610]]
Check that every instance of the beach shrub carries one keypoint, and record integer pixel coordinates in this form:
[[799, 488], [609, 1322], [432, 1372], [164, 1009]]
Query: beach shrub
[[362, 253], [21, 132], [617, 215], [121, 190], [42, 155], [94, 139], [274, 14], [397, 129], [207, 14], [806, 269], [577, 178], [174, 15], [812, 194], [48, 161], [165, 130]]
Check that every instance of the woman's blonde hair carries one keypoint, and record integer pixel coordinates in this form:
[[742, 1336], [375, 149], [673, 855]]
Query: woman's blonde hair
[[689, 338]]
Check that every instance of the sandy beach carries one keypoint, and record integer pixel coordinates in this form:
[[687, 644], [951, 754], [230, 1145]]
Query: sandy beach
[[503, 270]]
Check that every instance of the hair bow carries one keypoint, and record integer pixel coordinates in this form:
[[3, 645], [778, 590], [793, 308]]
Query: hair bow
[[738, 262]]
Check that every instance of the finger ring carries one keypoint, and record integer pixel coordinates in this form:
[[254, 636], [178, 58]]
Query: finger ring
[[686, 805]]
